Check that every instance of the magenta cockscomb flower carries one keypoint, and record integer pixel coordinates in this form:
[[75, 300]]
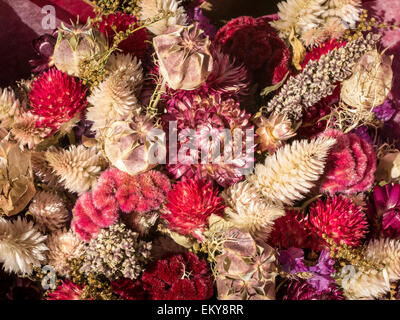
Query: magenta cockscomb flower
[[89, 220], [338, 219], [351, 164], [57, 98], [384, 211], [205, 118], [190, 203]]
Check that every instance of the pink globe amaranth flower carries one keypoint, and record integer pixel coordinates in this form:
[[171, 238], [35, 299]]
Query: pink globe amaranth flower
[[189, 205], [136, 43], [339, 219], [384, 211], [66, 291], [56, 98], [298, 290], [293, 230], [90, 219], [351, 164], [209, 117]]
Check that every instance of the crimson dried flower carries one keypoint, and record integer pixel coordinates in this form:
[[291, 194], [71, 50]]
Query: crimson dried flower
[[298, 290], [178, 277], [57, 98], [190, 203], [128, 289], [67, 290], [339, 219]]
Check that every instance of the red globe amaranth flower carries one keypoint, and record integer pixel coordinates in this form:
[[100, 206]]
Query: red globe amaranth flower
[[178, 277], [293, 230], [136, 43], [339, 219], [255, 43], [298, 290], [317, 52], [56, 98], [141, 193], [190, 203], [66, 291], [384, 211], [351, 164], [128, 289], [88, 220]]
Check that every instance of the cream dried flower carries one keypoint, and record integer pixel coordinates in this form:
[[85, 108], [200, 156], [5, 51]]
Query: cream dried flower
[[113, 100], [292, 171], [298, 15], [25, 131], [249, 211], [9, 106], [372, 282], [42, 170], [313, 37], [129, 69], [347, 10], [63, 246], [49, 211], [273, 132], [334, 28], [21, 246], [153, 10], [78, 167]]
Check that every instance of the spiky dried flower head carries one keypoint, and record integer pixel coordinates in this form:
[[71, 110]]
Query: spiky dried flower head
[[49, 211], [67, 290], [25, 131], [150, 10], [116, 252], [43, 172], [21, 246], [57, 98], [334, 28], [298, 15], [9, 105], [249, 211], [63, 246], [190, 203], [339, 219], [272, 132], [292, 171], [313, 37], [351, 164], [78, 167], [371, 282], [349, 11], [319, 78]]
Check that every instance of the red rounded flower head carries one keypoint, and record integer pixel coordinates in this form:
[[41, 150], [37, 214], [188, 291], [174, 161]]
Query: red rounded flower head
[[88, 220], [351, 164], [67, 290], [135, 44], [189, 205], [339, 219], [384, 211], [56, 98], [298, 290], [178, 277], [293, 230], [255, 43]]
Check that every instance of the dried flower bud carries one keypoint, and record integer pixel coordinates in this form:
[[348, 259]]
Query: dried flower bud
[[371, 81], [272, 132], [389, 167], [184, 57]]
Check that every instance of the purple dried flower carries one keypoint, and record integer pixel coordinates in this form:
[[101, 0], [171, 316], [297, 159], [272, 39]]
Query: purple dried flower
[[384, 210], [362, 132], [44, 47], [83, 128], [303, 291], [385, 111]]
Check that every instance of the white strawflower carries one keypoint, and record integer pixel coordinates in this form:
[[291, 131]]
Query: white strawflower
[[21, 246], [151, 9], [347, 10]]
